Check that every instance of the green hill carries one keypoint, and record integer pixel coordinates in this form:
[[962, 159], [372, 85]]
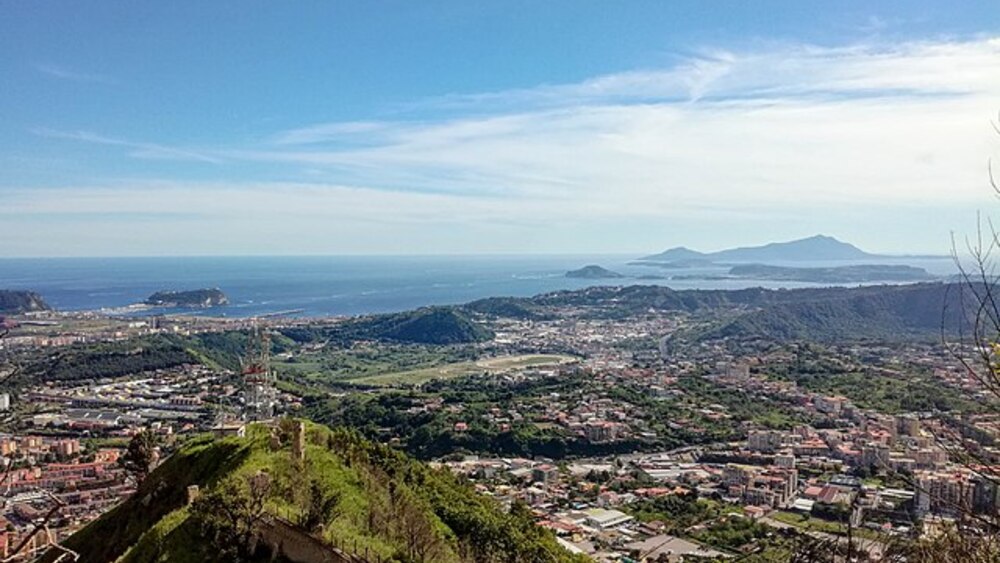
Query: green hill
[[430, 325], [878, 312], [348, 491], [893, 312], [505, 307]]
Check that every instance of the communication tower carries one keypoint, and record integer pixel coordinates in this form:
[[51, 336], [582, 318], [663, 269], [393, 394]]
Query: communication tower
[[259, 396]]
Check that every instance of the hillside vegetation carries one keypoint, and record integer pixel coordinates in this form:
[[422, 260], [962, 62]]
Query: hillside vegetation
[[890, 312], [15, 302], [432, 325], [429, 325], [884, 312], [348, 491]]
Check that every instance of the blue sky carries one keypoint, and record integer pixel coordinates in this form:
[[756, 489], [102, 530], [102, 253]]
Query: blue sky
[[192, 128]]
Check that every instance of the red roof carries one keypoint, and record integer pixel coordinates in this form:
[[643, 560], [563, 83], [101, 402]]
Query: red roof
[[812, 491]]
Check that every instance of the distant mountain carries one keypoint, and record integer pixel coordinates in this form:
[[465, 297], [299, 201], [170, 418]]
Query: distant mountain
[[593, 272], [198, 298], [679, 254], [818, 248], [15, 302]]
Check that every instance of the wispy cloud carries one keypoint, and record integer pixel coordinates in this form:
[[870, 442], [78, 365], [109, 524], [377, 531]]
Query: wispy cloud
[[332, 132], [721, 136], [777, 72], [63, 73], [139, 149], [712, 128]]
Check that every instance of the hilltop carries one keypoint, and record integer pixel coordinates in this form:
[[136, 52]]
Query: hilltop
[[429, 325], [344, 491], [819, 248], [14, 302]]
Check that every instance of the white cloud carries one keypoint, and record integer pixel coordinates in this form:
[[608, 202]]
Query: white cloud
[[779, 71], [778, 133], [875, 125], [63, 73], [139, 149]]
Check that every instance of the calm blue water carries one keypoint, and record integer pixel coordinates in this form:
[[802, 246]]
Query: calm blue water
[[338, 285]]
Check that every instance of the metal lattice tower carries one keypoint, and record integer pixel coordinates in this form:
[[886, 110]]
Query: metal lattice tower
[[259, 394]]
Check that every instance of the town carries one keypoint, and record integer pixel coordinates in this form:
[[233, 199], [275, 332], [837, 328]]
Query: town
[[624, 444]]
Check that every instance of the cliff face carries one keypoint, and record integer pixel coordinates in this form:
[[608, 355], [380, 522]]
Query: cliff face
[[14, 302], [202, 298]]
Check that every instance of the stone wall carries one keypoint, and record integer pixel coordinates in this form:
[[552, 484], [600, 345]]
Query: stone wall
[[283, 537]]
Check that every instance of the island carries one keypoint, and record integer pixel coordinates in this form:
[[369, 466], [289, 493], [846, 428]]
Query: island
[[196, 298], [13, 302], [593, 272], [814, 248]]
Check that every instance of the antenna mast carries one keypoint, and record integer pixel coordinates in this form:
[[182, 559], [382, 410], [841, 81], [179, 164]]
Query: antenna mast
[[259, 395]]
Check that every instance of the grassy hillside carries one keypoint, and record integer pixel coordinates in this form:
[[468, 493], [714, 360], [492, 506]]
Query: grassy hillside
[[159, 502], [382, 501]]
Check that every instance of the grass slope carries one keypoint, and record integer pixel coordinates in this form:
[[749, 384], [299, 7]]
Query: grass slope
[[459, 369], [374, 483], [202, 462]]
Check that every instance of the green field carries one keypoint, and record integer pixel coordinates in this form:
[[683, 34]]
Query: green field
[[807, 522], [448, 371]]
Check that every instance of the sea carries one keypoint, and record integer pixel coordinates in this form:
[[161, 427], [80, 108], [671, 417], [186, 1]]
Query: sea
[[321, 286]]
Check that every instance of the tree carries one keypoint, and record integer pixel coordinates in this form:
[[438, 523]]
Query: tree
[[976, 314], [229, 515], [413, 525], [141, 455], [320, 505]]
